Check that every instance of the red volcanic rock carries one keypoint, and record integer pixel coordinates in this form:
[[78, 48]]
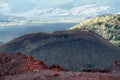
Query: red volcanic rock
[[115, 68], [29, 58], [20, 67], [56, 67], [117, 62], [55, 75], [4, 58], [35, 64], [2, 55], [17, 63]]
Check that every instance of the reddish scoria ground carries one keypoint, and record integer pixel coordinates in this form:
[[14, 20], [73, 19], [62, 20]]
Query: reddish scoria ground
[[55, 75], [21, 67]]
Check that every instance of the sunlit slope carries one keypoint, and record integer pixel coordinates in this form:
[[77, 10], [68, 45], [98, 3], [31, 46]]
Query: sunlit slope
[[108, 26]]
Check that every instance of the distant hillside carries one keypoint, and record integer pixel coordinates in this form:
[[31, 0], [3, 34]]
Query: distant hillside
[[108, 26], [1, 43], [72, 50], [16, 31]]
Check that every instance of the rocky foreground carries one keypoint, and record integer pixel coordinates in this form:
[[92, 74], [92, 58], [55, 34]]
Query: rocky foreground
[[21, 67]]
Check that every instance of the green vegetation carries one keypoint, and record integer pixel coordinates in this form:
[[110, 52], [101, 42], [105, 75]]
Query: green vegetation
[[82, 70], [108, 26], [89, 65]]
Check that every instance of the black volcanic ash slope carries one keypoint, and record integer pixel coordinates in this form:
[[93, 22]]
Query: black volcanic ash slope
[[72, 50]]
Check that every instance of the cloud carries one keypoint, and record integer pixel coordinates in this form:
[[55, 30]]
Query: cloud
[[4, 8], [90, 10], [26, 5], [80, 11], [35, 1]]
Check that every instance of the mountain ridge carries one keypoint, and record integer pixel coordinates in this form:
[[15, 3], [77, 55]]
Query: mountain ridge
[[72, 50]]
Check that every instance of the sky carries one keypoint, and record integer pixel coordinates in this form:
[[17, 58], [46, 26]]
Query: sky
[[56, 10], [47, 8], [27, 5]]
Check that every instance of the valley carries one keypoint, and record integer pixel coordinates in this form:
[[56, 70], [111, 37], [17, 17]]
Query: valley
[[10, 32]]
